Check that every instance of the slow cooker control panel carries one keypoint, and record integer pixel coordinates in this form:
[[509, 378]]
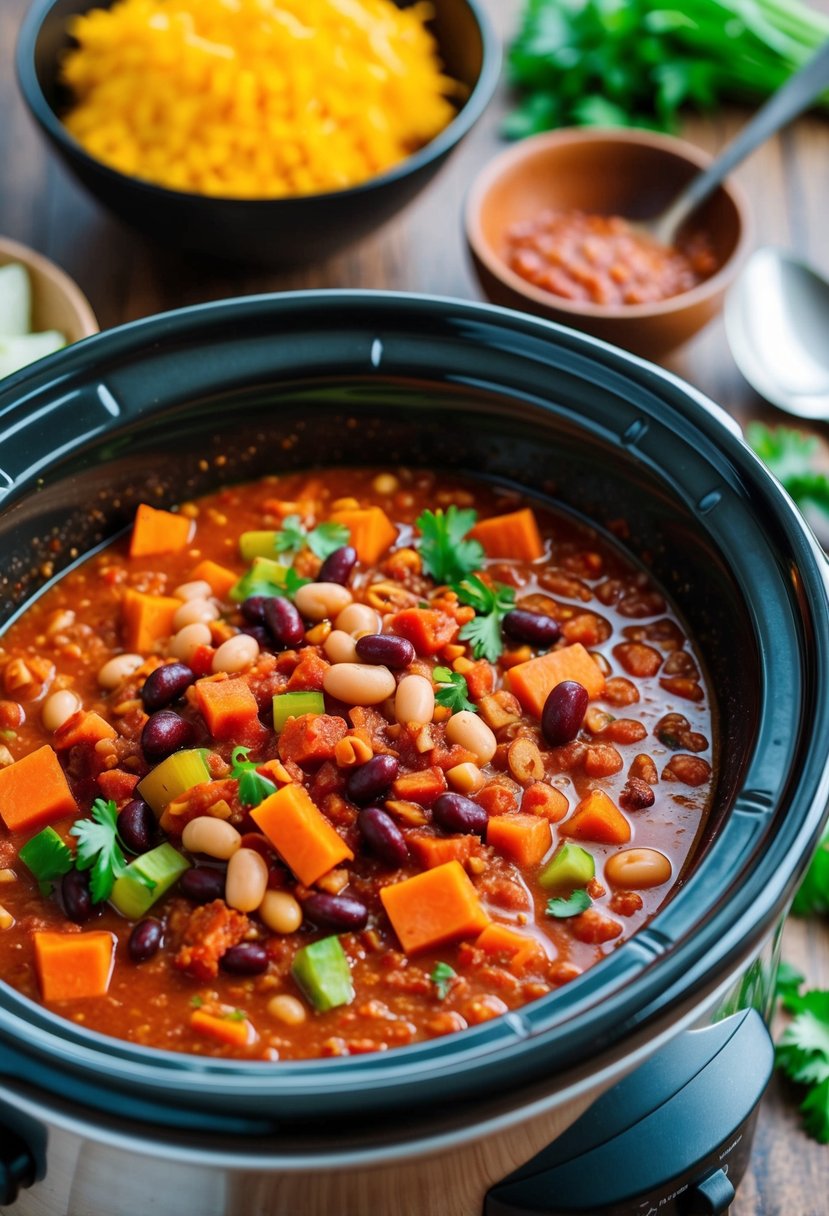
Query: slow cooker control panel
[[672, 1139]]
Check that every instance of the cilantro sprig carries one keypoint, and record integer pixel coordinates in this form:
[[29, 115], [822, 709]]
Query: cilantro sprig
[[99, 848], [253, 787], [323, 540], [491, 605], [803, 1049], [453, 690], [447, 555], [442, 977], [789, 454], [813, 896], [253, 583], [562, 909]]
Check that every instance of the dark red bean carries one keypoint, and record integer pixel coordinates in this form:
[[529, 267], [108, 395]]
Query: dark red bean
[[203, 884], [383, 836], [532, 627], [385, 648], [338, 566], [455, 813], [165, 685], [283, 622], [76, 896], [339, 912], [563, 712], [166, 732], [260, 633], [136, 826], [253, 609], [145, 940], [372, 778], [248, 958]]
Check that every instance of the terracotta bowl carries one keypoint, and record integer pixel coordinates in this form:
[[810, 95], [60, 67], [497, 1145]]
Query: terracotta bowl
[[630, 173], [57, 301]]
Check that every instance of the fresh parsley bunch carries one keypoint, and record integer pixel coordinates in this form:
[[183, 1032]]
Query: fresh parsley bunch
[[803, 1049]]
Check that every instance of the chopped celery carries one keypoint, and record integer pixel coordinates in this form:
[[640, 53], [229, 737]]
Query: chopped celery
[[265, 577], [571, 867], [292, 704], [173, 777], [322, 972], [147, 878], [47, 857], [257, 544]]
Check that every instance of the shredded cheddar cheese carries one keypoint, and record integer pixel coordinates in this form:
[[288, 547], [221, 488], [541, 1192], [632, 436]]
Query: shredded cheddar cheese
[[255, 98]]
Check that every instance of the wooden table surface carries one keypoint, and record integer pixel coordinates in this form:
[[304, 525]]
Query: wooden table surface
[[126, 276]]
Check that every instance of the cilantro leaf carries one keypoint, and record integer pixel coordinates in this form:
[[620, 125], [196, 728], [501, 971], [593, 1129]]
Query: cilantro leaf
[[442, 977], [447, 556], [453, 691], [323, 540], [787, 988], [789, 455], [291, 536], [813, 895], [562, 909], [803, 1054], [491, 605], [99, 848], [292, 583], [253, 787]]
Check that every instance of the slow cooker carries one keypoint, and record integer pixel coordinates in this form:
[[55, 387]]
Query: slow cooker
[[633, 1090]]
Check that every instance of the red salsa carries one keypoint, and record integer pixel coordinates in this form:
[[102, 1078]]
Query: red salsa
[[333, 763]]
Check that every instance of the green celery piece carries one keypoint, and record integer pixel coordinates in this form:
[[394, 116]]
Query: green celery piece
[[172, 778], [257, 544], [321, 970], [292, 704], [148, 877], [264, 574], [46, 856], [571, 867]]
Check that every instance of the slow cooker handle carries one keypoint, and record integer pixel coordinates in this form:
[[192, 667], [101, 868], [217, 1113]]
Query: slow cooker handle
[[672, 1139]]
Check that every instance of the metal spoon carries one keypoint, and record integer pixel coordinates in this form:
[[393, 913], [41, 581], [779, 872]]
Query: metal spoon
[[791, 99], [777, 321]]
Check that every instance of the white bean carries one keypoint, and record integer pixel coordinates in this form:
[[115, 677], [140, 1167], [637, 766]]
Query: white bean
[[287, 1009], [247, 880], [358, 683], [414, 700], [58, 708], [187, 641], [637, 869], [340, 647], [194, 611], [116, 670], [359, 618], [211, 836], [469, 731], [280, 912], [197, 590], [236, 653], [321, 601]]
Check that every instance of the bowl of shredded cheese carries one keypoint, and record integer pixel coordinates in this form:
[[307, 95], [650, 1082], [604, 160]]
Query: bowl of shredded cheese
[[265, 131]]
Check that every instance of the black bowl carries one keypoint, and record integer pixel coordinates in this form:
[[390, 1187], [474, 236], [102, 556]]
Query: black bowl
[[279, 232]]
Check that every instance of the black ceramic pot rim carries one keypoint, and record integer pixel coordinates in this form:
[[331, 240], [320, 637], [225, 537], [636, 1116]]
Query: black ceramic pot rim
[[737, 892], [444, 141]]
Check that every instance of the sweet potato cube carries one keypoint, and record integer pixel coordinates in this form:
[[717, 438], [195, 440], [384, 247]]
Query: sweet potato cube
[[300, 833], [219, 577], [597, 818], [227, 706], [431, 851], [83, 727], [433, 908], [34, 791], [372, 532], [74, 965], [157, 531], [522, 838], [533, 681], [512, 535], [520, 948], [146, 618], [423, 786]]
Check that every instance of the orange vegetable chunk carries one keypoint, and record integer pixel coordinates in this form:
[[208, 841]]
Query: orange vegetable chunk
[[431, 851], [428, 629], [372, 532], [157, 531], [543, 799], [83, 727], [533, 681], [433, 908], [520, 948], [227, 706], [146, 618], [597, 818], [522, 838], [300, 833], [219, 577], [512, 535], [74, 965], [423, 786], [236, 1032], [34, 791]]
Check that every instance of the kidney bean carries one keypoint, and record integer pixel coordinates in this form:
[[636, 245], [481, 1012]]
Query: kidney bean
[[166, 732], [532, 627], [338, 566], [136, 826], [165, 685], [253, 609], [563, 712], [456, 813], [372, 778], [385, 648], [283, 622], [248, 958], [145, 940], [76, 896], [203, 884], [335, 911], [260, 633], [383, 836]]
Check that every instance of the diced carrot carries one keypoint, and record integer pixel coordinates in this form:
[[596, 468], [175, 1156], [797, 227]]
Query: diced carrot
[[422, 787], [275, 771], [543, 799], [522, 838], [158, 532], [83, 727], [73, 965], [597, 818], [117, 784], [34, 791], [433, 908], [235, 1032], [533, 681], [512, 535], [520, 948], [427, 629], [219, 577], [311, 738], [300, 833], [227, 706], [498, 797], [372, 532], [146, 618], [431, 851]]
